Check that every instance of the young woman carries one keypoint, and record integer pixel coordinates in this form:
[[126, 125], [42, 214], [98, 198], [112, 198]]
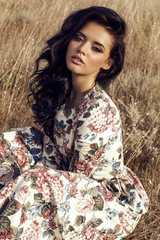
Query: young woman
[[70, 182]]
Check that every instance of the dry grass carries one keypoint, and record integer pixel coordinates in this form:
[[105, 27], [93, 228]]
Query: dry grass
[[26, 25]]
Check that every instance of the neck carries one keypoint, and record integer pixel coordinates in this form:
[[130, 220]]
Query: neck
[[80, 86]]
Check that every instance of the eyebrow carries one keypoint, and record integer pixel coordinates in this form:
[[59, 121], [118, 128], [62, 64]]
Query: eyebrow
[[98, 43]]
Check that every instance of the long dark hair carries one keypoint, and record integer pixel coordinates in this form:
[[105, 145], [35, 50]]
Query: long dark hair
[[51, 84]]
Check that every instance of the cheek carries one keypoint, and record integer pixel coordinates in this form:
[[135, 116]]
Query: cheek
[[97, 62], [68, 50], [71, 46], [68, 53]]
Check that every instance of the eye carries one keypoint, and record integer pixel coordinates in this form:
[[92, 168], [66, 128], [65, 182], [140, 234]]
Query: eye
[[78, 37], [97, 49]]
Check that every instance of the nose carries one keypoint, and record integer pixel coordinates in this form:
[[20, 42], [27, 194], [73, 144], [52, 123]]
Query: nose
[[83, 48]]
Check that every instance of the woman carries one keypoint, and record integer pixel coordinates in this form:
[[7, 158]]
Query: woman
[[70, 183]]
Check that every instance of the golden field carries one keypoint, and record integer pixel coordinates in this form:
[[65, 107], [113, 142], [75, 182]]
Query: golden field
[[25, 25]]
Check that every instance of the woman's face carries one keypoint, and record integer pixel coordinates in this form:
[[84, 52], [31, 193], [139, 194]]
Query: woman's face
[[89, 50]]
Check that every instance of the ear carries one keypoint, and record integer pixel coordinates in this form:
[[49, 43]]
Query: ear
[[108, 64]]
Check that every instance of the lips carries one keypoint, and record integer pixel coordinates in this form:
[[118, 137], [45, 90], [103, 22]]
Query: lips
[[77, 59]]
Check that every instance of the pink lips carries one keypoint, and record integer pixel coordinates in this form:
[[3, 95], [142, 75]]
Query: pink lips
[[77, 59]]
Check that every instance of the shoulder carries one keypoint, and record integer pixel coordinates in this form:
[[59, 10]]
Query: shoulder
[[100, 102], [101, 95], [101, 112]]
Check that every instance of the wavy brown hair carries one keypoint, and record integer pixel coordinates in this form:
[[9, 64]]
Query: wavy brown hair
[[51, 85]]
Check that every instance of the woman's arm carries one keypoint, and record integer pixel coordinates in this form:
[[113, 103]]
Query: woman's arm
[[98, 154], [98, 143], [20, 149]]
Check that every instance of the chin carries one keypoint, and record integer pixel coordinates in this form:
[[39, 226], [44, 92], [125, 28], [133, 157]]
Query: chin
[[73, 69]]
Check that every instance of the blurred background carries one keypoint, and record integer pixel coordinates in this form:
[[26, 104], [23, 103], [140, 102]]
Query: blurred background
[[26, 25]]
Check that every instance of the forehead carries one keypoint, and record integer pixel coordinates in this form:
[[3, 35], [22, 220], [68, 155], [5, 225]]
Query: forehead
[[97, 33]]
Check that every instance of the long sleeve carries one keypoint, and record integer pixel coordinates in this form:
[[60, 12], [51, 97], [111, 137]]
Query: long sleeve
[[20, 149], [98, 143], [98, 154]]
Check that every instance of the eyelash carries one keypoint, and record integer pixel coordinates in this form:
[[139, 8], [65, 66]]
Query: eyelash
[[96, 49], [77, 37]]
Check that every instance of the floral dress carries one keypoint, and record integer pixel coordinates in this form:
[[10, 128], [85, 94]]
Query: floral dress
[[75, 188]]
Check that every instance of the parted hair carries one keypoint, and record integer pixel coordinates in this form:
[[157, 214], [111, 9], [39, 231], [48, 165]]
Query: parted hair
[[51, 84]]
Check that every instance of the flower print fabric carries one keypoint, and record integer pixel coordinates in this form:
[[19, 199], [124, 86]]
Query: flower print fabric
[[74, 188]]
